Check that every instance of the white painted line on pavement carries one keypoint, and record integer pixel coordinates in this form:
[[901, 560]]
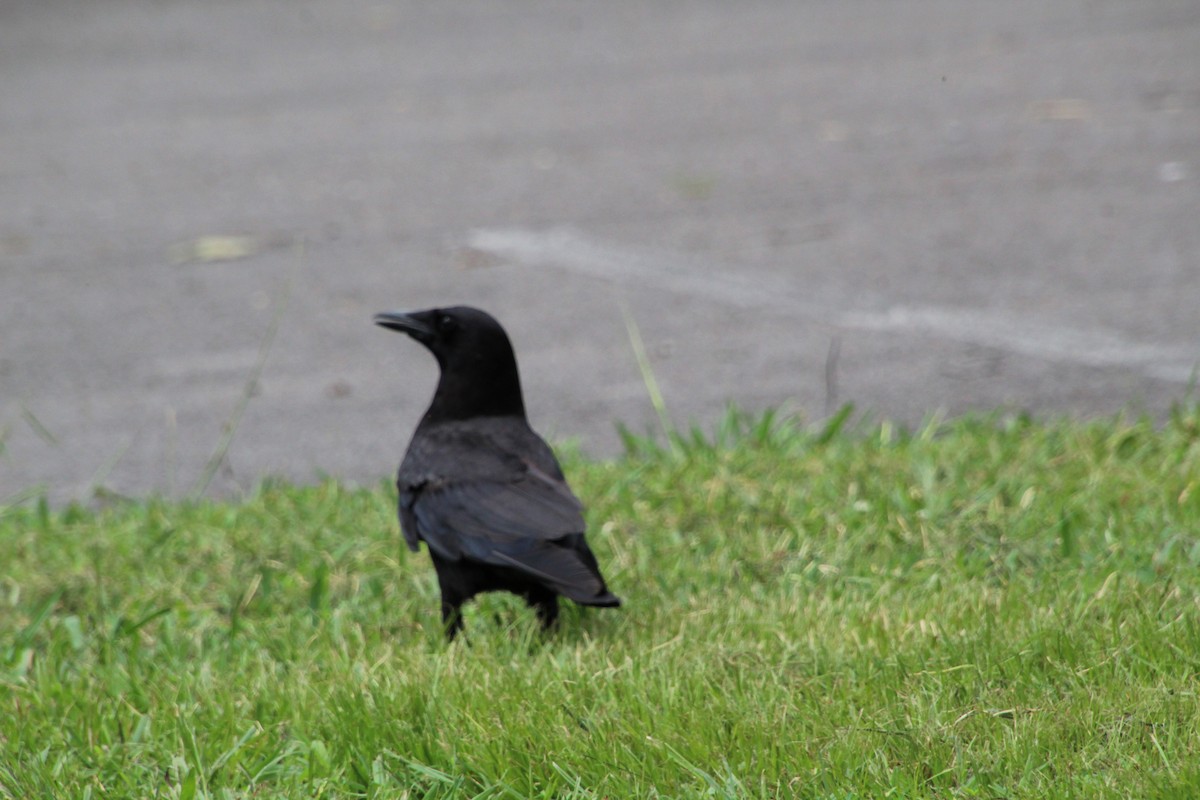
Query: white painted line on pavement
[[563, 248], [1092, 348]]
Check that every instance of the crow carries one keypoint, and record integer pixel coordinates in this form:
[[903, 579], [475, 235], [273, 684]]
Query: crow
[[480, 487]]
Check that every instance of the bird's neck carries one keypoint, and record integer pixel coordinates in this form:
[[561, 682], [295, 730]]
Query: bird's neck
[[461, 397]]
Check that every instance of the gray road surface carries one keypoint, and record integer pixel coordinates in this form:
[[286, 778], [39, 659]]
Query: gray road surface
[[984, 204]]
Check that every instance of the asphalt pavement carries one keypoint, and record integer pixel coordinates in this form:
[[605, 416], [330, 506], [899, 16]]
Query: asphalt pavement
[[918, 206]]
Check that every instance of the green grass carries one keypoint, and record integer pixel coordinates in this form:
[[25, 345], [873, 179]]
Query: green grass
[[989, 607]]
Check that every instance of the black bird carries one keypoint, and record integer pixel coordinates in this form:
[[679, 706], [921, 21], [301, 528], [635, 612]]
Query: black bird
[[480, 487]]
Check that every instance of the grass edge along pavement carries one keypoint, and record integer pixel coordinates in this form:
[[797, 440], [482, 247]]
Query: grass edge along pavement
[[993, 606]]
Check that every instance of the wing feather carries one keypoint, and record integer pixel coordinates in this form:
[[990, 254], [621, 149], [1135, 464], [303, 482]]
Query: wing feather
[[532, 523]]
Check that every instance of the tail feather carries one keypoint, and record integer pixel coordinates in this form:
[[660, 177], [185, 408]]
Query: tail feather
[[566, 566], [606, 600]]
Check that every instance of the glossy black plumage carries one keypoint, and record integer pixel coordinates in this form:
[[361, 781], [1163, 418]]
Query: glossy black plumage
[[480, 487]]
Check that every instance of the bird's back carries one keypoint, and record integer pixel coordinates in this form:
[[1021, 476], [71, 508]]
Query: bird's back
[[488, 493]]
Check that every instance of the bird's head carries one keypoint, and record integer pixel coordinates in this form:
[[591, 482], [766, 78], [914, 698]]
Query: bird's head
[[478, 369]]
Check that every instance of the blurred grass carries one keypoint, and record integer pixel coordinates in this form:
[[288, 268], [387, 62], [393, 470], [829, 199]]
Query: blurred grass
[[985, 607]]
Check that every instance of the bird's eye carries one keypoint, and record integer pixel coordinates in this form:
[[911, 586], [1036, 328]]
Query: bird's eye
[[446, 323]]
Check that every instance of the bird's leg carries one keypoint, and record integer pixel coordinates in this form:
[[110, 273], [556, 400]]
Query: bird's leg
[[454, 594], [451, 617], [546, 604]]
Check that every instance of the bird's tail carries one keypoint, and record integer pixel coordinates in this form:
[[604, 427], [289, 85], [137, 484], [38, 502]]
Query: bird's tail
[[567, 566], [605, 600]]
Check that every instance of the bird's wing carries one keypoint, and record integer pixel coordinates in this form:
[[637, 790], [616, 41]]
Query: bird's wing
[[473, 516], [531, 522]]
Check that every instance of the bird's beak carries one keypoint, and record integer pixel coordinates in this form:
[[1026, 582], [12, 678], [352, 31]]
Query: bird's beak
[[405, 323]]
